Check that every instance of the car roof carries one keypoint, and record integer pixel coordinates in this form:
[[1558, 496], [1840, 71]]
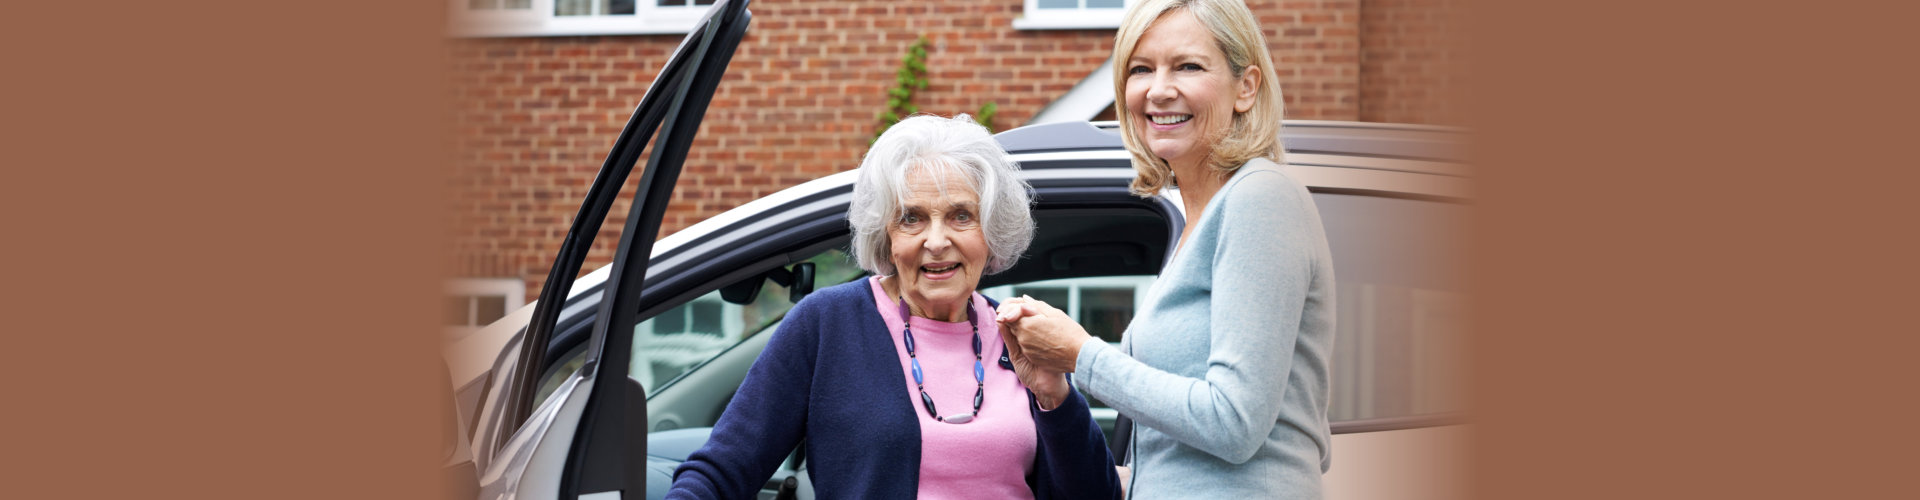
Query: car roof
[[1420, 149]]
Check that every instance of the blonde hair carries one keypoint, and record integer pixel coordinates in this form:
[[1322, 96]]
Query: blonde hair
[[1254, 134]]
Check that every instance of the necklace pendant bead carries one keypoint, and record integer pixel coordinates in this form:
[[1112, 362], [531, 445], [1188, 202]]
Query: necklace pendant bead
[[919, 377]]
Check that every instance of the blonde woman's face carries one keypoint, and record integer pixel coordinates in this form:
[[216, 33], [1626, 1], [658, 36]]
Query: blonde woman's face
[[1181, 91]]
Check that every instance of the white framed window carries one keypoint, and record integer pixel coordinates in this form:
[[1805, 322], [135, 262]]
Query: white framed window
[[685, 336], [1103, 305], [1071, 14], [475, 303], [511, 18]]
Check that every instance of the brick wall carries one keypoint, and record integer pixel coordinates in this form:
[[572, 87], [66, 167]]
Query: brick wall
[[537, 115], [1316, 52], [1409, 67]]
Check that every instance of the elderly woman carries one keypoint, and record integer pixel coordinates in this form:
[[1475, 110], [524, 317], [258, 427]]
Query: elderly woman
[[889, 380], [1224, 367]]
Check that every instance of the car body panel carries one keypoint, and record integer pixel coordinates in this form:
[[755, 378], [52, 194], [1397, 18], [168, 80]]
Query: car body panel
[[529, 468]]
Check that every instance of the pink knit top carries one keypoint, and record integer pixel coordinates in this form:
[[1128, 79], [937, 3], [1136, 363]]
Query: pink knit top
[[988, 457]]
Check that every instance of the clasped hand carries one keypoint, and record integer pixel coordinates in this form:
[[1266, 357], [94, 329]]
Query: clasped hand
[[1043, 343]]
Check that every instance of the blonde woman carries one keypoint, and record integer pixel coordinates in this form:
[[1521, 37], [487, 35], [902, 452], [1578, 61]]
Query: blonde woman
[[1224, 368]]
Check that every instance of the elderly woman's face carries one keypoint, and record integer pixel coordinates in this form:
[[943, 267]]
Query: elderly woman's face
[[1181, 91], [937, 244]]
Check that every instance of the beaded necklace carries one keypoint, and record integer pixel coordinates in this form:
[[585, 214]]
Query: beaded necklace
[[919, 381]]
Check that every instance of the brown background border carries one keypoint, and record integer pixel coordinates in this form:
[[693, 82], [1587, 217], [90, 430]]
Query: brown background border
[[224, 228], [1695, 247]]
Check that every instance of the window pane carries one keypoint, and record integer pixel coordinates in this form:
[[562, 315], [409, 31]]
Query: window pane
[[1105, 312], [1402, 304], [573, 363], [670, 3], [573, 7], [483, 4], [519, 4], [675, 341], [593, 7], [706, 317], [703, 2], [680, 338], [1058, 4], [672, 321], [1106, 4]]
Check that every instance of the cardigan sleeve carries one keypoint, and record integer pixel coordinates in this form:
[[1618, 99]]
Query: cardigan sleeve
[[1074, 452], [763, 422], [1261, 268]]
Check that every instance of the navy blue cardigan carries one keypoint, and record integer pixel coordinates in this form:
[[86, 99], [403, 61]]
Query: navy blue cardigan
[[830, 374]]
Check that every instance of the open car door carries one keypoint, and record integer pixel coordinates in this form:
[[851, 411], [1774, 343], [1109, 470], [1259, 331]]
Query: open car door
[[605, 455]]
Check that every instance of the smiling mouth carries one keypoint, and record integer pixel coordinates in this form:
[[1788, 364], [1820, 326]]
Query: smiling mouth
[[948, 267], [1169, 119]]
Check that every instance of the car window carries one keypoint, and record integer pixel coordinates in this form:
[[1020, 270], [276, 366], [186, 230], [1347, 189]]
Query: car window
[[549, 382], [673, 342]]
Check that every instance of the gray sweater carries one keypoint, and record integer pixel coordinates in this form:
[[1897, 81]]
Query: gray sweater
[[1227, 378]]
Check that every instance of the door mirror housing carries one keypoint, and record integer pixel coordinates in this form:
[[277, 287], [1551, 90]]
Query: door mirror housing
[[798, 280]]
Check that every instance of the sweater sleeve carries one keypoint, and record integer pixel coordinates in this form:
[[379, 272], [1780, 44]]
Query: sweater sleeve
[[763, 422], [1261, 268], [1074, 452]]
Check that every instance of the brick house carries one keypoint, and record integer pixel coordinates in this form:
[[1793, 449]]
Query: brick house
[[543, 87]]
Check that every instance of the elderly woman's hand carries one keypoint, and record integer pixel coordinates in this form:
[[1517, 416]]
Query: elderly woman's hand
[[1049, 387], [1045, 335]]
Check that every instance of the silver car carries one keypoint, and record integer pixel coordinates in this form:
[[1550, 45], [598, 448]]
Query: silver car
[[603, 394]]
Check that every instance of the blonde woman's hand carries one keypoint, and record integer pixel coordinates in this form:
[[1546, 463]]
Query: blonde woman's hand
[[1044, 334]]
